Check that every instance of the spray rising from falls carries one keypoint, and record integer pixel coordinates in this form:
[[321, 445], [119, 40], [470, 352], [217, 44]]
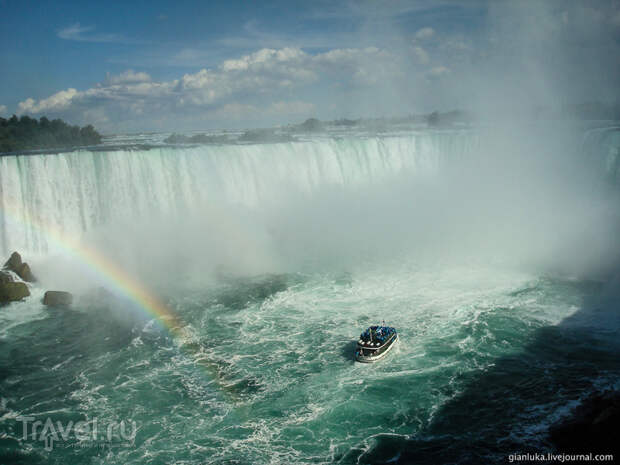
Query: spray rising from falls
[[268, 207], [81, 193]]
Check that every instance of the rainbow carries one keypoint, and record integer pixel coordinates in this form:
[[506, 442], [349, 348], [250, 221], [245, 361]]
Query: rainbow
[[124, 283], [111, 272]]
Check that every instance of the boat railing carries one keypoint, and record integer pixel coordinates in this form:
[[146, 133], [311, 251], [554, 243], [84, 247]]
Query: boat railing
[[373, 347]]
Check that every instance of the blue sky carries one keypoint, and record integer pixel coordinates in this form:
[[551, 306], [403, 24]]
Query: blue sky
[[138, 65]]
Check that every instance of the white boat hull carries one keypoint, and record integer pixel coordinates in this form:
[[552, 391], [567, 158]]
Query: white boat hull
[[374, 358]]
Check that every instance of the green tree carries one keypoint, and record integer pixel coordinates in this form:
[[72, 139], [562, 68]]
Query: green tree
[[26, 133]]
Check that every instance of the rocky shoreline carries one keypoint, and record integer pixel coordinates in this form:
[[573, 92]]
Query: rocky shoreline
[[14, 277]]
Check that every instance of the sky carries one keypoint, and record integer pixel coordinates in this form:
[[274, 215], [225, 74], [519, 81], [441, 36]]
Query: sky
[[165, 66]]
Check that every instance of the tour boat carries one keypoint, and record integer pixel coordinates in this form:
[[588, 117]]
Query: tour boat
[[375, 343]]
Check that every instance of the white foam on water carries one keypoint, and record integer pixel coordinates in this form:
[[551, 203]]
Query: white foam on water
[[22, 312]]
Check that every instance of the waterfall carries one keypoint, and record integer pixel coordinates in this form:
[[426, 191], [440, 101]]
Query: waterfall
[[75, 192]]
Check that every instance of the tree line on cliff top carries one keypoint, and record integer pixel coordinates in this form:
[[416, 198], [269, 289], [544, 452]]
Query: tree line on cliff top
[[25, 133]]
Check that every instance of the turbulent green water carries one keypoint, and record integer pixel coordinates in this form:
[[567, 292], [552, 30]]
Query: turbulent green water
[[266, 374], [491, 352]]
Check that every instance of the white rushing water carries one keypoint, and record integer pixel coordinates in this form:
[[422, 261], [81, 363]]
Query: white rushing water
[[230, 205], [259, 205], [78, 191]]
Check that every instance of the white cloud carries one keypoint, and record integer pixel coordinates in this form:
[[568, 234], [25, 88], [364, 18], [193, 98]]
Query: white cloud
[[264, 57], [421, 55], [59, 101], [3, 109], [425, 33], [272, 80], [255, 35], [240, 111], [347, 56], [126, 77], [74, 32], [383, 62], [81, 33], [456, 44], [363, 67]]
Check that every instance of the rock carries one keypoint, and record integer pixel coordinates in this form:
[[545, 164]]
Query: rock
[[5, 277], [25, 273], [15, 264], [57, 298], [11, 291]]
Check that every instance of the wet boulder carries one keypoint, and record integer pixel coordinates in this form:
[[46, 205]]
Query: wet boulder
[[25, 273], [14, 262], [5, 277], [22, 269], [57, 299], [10, 290]]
